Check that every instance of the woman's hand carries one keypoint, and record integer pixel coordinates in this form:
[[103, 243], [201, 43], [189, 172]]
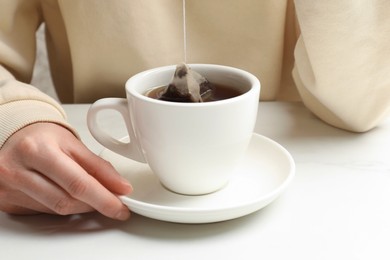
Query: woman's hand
[[45, 168]]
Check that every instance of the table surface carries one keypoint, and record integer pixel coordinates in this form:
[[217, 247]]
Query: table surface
[[337, 207]]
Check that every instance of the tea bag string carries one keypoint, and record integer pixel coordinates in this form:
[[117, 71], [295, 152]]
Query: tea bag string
[[184, 31]]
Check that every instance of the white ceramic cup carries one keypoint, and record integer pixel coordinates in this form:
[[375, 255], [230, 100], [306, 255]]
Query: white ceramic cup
[[192, 147]]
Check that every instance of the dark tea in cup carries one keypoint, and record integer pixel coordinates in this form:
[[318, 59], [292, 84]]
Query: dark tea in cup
[[219, 92]]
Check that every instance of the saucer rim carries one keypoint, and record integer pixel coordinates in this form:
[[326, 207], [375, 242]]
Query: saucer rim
[[265, 197]]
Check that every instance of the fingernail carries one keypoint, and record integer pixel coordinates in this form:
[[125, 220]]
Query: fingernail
[[126, 183], [124, 214], [129, 187]]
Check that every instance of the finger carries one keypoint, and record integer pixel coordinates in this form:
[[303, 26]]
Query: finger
[[78, 184], [27, 189], [15, 201], [41, 194], [101, 170], [21, 204], [17, 210]]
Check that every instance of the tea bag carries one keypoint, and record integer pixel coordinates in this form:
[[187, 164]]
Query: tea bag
[[187, 86]]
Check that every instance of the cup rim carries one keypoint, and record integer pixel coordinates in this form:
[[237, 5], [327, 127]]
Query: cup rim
[[255, 85]]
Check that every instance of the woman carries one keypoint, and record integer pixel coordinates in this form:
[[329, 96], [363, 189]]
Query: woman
[[332, 55]]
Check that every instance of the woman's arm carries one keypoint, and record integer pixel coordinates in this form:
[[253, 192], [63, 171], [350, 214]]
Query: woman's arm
[[44, 167], [342, 61]]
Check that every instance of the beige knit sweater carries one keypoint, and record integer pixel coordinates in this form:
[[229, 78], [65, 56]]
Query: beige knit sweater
[[333, 55]]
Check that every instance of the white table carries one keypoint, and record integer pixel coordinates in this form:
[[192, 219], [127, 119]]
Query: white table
[[337, 207]]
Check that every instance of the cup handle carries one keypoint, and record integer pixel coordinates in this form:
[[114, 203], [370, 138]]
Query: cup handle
[[131, 149]]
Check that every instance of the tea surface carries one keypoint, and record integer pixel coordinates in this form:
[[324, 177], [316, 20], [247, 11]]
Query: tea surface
[[219, 92]]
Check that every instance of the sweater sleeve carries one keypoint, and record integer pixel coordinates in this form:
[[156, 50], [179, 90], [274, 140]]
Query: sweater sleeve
[[20, 103], [342, 61]]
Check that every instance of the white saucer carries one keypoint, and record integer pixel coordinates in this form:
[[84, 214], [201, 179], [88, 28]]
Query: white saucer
[[265, 172]]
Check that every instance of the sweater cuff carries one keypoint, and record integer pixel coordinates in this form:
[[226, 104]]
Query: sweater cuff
[[18, 114]]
